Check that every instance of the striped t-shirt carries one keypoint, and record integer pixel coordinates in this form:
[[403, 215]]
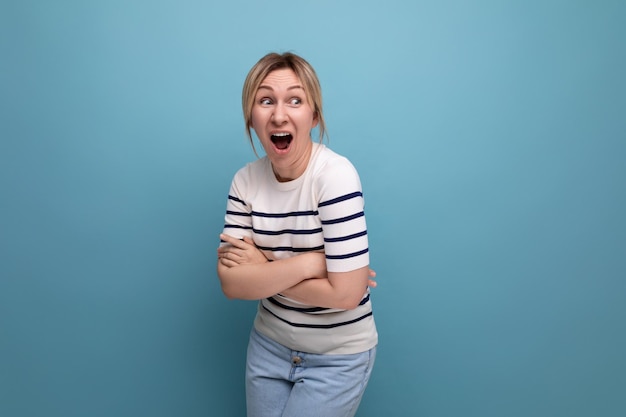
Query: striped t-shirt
[[322, 210]]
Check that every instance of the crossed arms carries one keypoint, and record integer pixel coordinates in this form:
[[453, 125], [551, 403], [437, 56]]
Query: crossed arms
[[245, 273]]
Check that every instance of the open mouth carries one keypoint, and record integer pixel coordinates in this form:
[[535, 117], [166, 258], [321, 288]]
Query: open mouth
[[281, 140]]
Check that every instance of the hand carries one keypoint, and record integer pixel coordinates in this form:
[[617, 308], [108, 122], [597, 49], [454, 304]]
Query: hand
[[370, 282], [239, 252]]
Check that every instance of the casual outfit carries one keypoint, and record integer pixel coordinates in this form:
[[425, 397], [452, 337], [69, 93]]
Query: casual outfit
[[306, 360]]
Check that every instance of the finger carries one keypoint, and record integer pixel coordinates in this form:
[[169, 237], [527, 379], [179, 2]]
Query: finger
[[232, 251], [234, 255], [371, 283], [225, 250], [372, 273], [248, 240], [227, 238], [227, 262], [233, 241]]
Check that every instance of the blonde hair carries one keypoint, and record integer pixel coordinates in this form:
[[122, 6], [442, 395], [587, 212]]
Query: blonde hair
[[305, 73]]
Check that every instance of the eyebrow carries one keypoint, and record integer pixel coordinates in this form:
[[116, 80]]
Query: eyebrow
[[293, 87]]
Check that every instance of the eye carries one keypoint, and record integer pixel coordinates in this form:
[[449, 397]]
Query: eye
[[295, 101], [265, 101]]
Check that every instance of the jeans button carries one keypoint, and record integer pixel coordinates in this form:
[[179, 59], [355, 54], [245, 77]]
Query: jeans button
[[296, 360]]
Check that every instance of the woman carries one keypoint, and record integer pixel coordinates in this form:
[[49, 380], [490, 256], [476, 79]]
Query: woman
[[295, 238]]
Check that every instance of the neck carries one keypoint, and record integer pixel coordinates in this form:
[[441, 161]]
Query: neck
[[294, 170]]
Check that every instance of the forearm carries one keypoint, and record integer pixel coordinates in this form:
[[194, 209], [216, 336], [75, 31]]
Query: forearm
[[256, 281], [341, 290]]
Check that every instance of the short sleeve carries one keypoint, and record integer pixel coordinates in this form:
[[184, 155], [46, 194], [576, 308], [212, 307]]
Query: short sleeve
[[238, 218], [341, 211]]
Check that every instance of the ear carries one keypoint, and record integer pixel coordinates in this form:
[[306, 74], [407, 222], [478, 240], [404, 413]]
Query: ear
[[316, 119]]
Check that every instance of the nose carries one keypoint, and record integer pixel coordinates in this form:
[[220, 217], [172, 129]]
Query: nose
[[279, 116]]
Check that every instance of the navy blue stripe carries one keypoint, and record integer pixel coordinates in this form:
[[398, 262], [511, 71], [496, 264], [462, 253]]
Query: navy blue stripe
[[310, 309], [344, 219], [236, 226], [340, 199], [230, 197], [238, 213], [319, 326], [301, 310], [365, 300], [290, 214], [348, 255], [290, 249], [288, 231], [344, 238]]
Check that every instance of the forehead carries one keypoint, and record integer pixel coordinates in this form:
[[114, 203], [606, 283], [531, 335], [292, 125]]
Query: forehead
[[283, 78]]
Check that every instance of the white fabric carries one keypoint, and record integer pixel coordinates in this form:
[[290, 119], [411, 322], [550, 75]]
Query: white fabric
[[321, 210]]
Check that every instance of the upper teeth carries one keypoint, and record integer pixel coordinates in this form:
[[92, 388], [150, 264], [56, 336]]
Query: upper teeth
[[280, 134]]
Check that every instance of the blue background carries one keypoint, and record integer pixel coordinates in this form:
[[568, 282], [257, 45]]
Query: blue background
[[491, 141]]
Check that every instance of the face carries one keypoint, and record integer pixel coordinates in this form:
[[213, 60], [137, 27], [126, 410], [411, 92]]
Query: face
[[282, 119]]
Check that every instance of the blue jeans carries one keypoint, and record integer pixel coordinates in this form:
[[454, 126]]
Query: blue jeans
[[281, 382]]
